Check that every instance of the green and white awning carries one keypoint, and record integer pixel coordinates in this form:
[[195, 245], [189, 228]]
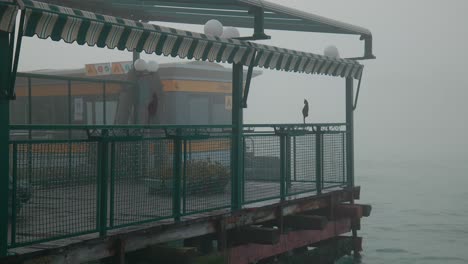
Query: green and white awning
[[8, 12], [70, 25]]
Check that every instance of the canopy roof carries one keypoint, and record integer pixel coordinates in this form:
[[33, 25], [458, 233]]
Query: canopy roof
[[70, 25], [229, 12]]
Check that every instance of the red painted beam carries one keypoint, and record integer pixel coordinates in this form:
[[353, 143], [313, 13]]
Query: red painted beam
[[353, 211], [254, 252]]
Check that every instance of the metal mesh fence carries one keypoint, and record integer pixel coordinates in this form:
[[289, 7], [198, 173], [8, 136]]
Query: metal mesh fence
[[302, 174], [141, 181], [334, 160], [63, 188], [261, 167], [56, 186], [206, 175]]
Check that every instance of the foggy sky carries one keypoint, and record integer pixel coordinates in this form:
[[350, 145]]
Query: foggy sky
[[413, 97]]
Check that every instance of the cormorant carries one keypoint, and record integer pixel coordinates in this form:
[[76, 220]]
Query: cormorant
[[305, 110]]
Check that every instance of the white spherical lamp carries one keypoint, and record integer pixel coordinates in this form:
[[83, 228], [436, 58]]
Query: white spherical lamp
[[140, 65], [230, 32], [153, 66], [213, 28], [332, 51]]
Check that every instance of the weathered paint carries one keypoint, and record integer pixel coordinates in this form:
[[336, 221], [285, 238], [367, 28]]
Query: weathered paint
[[99, 248], [250, 253]]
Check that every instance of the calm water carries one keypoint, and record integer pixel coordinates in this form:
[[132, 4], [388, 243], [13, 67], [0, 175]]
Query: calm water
[[420, 212]]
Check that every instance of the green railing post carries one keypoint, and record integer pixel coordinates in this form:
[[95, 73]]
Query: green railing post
[[283, 166], [184, 181], [318, 160], [177, 177], [112, 185], [237, 131], [103, 157], [14, 197], [5, 70], [288, 163], [295, 158], [349, 132], [29, 130]]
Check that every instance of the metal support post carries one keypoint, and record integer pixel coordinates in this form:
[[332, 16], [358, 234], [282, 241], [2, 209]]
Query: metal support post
[[350, 150], [103, 182], [283, 166], [288, 164], [318, 160], [349, 132], [5, 71], [237, 127], [177, 177]]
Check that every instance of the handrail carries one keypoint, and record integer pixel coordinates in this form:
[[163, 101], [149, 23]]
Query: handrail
[[91, 127], [70, 78], [86, 127]]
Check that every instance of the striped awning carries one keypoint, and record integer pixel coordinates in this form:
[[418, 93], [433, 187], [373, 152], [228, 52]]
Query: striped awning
[[70, 25]]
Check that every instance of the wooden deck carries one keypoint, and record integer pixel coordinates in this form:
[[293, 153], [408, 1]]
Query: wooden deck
[[67, 211]]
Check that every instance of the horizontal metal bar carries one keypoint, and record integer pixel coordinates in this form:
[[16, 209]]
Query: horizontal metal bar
[[69, 78], [49, 141], [294, 125], [91, 127], [24, 244]]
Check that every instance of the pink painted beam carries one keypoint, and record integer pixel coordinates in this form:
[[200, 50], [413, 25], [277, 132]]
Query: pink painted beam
[[295, 239]]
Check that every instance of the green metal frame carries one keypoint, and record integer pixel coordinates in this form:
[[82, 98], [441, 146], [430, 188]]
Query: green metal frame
[[5, 71], [237, 142], [350, 131], [180, 137]]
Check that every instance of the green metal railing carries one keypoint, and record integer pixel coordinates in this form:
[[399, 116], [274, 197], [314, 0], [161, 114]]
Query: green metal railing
[[107, 177]]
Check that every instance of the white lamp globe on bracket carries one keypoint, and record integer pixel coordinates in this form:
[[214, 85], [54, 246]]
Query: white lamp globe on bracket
[[140, 65], [213, 28], [332, 51], [153, 66], [230, 32]]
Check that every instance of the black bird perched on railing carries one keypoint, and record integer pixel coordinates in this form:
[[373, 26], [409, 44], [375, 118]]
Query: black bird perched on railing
[[305, 110]]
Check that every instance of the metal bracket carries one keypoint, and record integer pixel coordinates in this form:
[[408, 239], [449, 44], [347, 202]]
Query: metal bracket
[[259, 25], [248, 80], [14, 54], [357, 94], [368, 53]]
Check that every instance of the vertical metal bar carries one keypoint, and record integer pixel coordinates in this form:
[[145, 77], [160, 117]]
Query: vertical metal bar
[[350, 150], [318, 160], [14, 194], [184, 181], [104, 118], [349, 131], [136, 100], [29, 130], [177, 177], [288, 164], [112, 185], [136, 55], [103, 174], [237, 127], [259, 31], [343, 155], [5, 70], [69, 85], [295, 158], [244, 148], [69, 130], [15, 61], [283, 167]]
